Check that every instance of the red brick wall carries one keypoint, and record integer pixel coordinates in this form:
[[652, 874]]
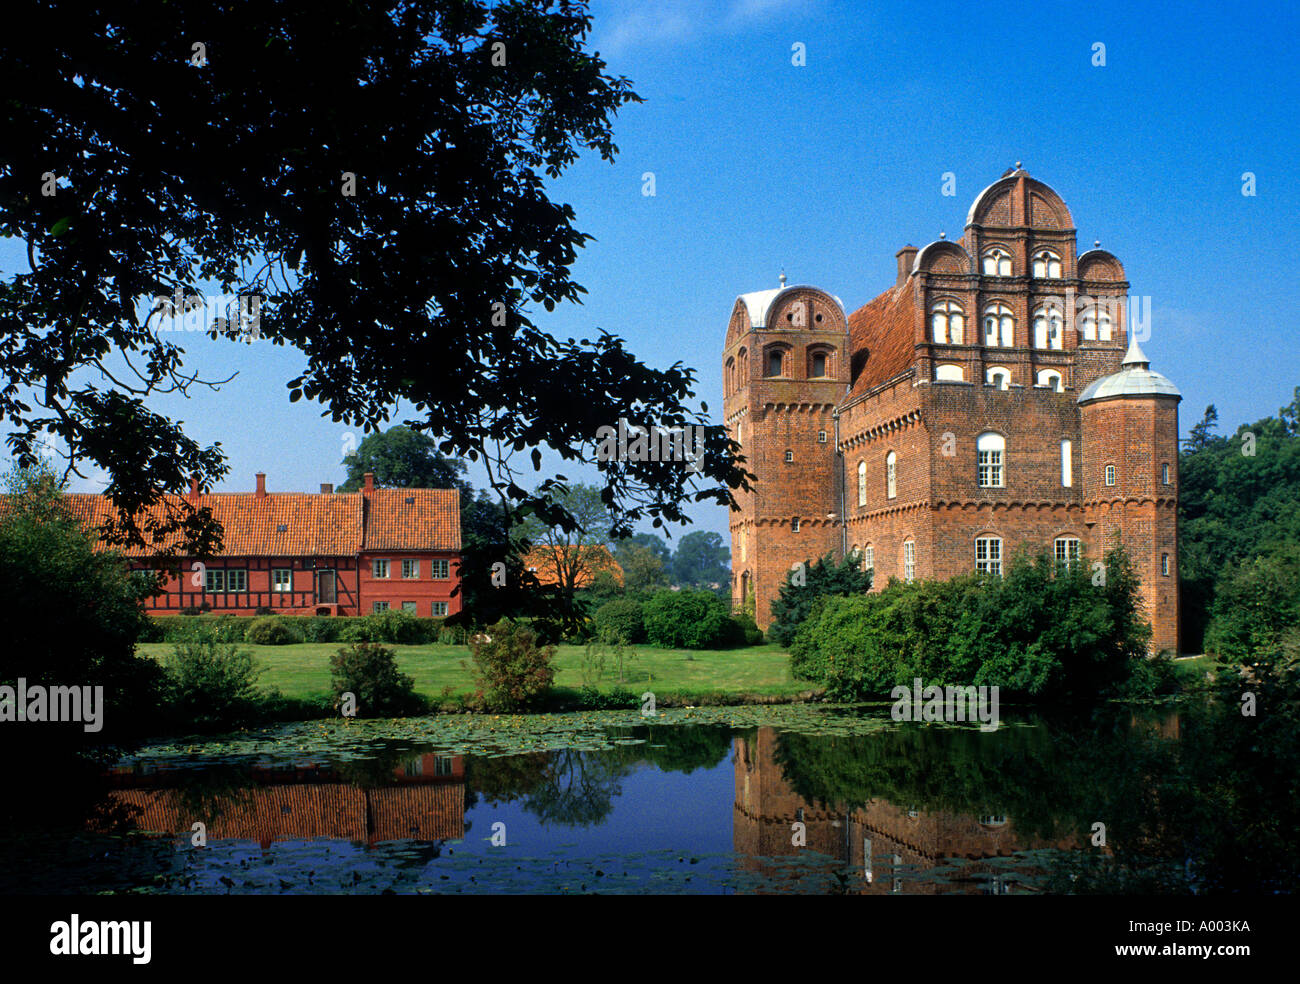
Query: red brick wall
[[423, 590]]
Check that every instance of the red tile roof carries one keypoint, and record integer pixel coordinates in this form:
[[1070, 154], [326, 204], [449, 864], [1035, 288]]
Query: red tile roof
[[315, 524], [430, 522], [884, 327]]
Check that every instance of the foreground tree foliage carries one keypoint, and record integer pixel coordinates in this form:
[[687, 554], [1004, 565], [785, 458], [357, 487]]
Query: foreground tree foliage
[[512, 671], [375, 174], [1044, 631]]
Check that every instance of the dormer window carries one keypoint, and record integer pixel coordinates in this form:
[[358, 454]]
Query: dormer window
[[947, 323], [1047, 265], [999, 326], [282, 528], [997, 262]]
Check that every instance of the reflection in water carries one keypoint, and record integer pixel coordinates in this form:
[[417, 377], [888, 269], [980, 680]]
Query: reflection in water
[[687, 808]]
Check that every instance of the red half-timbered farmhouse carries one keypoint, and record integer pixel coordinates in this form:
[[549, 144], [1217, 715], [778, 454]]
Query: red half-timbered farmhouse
[[321, 553]]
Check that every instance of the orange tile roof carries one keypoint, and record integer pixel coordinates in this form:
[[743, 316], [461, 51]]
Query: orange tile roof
[[431, 522], [542, 561], [315, 524], [884, 328]]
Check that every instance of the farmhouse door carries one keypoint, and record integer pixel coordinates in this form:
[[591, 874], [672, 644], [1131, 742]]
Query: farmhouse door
[[325, 588]]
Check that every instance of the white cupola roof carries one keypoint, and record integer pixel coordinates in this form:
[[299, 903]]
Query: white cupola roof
[[1134, 378]]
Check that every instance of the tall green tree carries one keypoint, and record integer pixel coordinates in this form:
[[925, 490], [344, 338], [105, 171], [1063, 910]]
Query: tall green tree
[[372, 179], [401, 458], [702, 560], [807, 583]]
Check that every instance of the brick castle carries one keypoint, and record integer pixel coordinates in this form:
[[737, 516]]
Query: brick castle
[[994, 399]]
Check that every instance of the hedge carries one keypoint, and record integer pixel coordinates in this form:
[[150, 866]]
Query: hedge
[[392, 627]]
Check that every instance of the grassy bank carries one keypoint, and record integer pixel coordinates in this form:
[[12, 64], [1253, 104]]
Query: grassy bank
[[302, 671]]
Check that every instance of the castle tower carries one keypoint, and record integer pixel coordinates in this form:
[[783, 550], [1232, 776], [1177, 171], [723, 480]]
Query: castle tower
[[1129, 431], [785, 368]]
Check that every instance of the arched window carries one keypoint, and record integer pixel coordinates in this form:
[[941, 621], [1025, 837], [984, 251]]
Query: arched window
[[999, 326], [1096, 321], [947, 323], [1164, 474], [998, 376], [1067, 550], [891, 475], [991, 449], [742, 366], [818, 361], [997, 262], [1110, 474], [1049, 327], [869, 558], [988, 554], [1050, 379], [909, 561], [949, 374], [862, 483], [775, 362], [730, 376], [1047, 265]]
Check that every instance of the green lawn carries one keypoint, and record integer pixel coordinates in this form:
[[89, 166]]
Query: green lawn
[[303, 670]]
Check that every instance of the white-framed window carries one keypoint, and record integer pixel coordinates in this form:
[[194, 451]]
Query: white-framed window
[[379, 568], [997, 262], [909, 561], [1050, 379], [821, 437], [988, 554], [998, 376], [438, 609], [1095, 319], [1049, 327], [999, 326], [947, 323], [891, 475], [1110, 474], [1164, 474], [1164, 565], [1067, 464], [1067, 550], [789, 457], [862, 483], [410, 606], [282, 579], [1047, 265], [949, 373], [869, 558], [440, 569], [990, 450], [410, 568], [379, 606], [794, 525]]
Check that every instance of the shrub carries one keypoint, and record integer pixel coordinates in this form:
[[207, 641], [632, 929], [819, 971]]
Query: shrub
[[803, 586], [396, 627], [511, 671], [747, 629], [272, 631], [321, 628], [623, 616], [688, 620], [369, 671], [452, 635], [210, 684]]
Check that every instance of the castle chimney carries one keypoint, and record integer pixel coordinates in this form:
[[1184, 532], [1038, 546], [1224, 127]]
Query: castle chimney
[[370, 482], [327, 488], [906, 257], [261, 485]]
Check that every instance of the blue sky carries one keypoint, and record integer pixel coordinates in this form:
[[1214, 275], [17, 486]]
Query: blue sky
[[828, 168]]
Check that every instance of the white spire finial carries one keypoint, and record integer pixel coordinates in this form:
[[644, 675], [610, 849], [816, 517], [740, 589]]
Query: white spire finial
[[783, 277], [1135, 357]]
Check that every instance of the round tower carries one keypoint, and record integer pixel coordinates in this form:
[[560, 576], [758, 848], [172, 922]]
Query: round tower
[[1129, 431]]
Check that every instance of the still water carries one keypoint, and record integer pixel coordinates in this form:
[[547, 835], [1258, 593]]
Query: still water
[[748, 800]]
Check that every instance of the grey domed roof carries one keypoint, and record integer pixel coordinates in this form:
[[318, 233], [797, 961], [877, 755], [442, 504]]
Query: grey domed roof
[[1134, 378]]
